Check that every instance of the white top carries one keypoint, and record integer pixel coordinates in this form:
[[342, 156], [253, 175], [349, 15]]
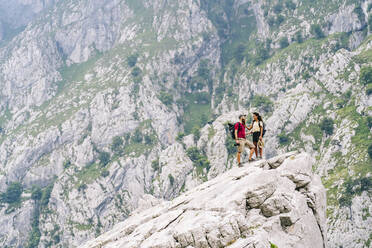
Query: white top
[[256, 126]]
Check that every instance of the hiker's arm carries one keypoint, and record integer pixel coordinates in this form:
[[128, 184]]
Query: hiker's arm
[[250, 127]]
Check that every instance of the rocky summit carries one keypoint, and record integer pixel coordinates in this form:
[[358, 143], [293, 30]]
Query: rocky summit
[[103, 102], [268, 203]]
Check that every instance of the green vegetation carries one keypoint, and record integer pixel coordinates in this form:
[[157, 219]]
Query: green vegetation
[[45, 196], [343, 41], [369, 122], [309, 129], [239, 53], [76, 72], [366, 76], [279, 20], [155, 165], [41, 198], [105, 173], [196, 132], [360, 141], [36, 193], [180, 137], [13, 193], [199, 160], [35, 234], [370, 151], [104, 158], [117, 145], [234, 26], [344, 99], [137, 136], [197, 111], [132, 60], [284, 139], [230, 146], [327, 126], [262, 53], [271, 21], [263, 103], [356, 160], [278, 8], [141, 140], [316, 30], [87, 175], [359, 12], [149, 140], [352, 188], [166, 98], [171, 179], [290, 5], [283, 42], [273, 245], [369, 89], [136, 72], [298, 37], [67, 164], [81, 226], [202, 79], [368, 242], [211, 132], [364, 58]]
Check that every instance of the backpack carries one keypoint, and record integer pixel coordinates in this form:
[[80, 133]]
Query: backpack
[[232, 129], [263, 127]]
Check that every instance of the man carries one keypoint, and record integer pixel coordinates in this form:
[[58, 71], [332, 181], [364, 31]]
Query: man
[[241, 140]]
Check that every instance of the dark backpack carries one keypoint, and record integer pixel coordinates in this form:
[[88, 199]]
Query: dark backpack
[[232, 129], [263, 127]]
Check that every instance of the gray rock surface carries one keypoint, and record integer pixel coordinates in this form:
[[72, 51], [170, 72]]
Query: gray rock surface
[[244, 207]]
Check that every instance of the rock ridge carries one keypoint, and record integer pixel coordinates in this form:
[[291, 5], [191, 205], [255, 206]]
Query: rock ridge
[[277, 201]]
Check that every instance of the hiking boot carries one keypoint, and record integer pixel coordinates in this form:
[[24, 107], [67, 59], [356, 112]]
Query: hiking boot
[[240, 165], [251, 160]]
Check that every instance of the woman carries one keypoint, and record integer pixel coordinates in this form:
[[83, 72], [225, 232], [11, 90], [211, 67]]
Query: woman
[[257, 131]]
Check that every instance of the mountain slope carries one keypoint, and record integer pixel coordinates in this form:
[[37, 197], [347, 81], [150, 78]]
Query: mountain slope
[[102, 102]]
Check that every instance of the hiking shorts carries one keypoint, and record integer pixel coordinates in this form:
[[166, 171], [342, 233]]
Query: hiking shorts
[[244, 143], [256, 136]]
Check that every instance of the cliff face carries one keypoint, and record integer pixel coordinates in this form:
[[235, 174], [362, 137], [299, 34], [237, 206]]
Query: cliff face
[[275, 202], [102, 102], [16, 15]]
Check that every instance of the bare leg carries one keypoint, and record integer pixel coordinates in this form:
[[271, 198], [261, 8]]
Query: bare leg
[[261, 152], [251, 154], [255, 149], [238, 157]]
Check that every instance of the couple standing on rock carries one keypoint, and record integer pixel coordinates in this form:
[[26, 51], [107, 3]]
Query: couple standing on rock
[[258, 131]]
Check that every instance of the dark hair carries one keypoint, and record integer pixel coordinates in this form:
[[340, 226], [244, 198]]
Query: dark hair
[[240, 116], [258, 116]]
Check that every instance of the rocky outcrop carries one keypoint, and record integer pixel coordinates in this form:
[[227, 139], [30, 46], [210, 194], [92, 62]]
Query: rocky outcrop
[[254, 206]]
